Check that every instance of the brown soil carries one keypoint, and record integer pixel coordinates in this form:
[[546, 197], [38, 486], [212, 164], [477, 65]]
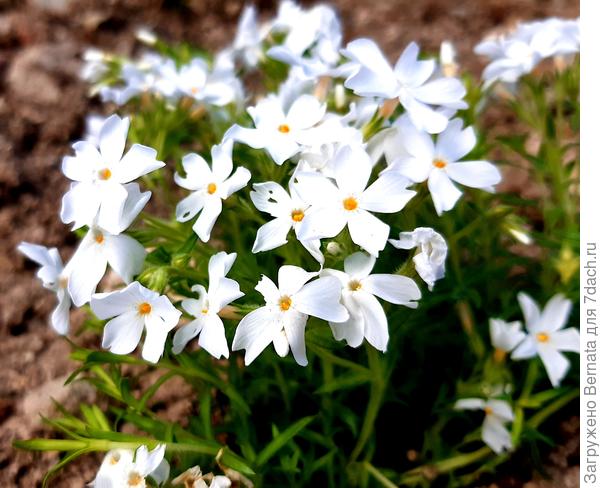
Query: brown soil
[[42, 107]]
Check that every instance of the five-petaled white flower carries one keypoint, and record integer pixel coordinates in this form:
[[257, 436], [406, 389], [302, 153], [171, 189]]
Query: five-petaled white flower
[[210, 186], [54, 277], [497, 413], [100, 248], [546, 335], [135, 308], [505, 336], [349, 202], [119, 469], [430, 260], [100, 174], [283, 319], [359, 288], [407, 81], [438, 163], [280, 132], [288, 210], [196, 81], [207, 324]]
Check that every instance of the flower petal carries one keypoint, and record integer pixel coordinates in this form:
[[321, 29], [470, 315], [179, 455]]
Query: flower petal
[[396, 289], [556, 313], [205, 223], [567, 340], [254, 333], [359, 265], [455, 142], [475, 174], [125, 255], [294, 325], [212, 337], [185, 334], [443, 192], [556, 364], [292, 278], [530, 310], [190, 206], [376, 326], [123, 333], [113, 136], [139, 161], [321, 299], [89, 265], [368, 231], [387, 194]]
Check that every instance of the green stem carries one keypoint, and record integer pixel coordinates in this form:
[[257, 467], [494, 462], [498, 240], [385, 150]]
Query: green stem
[[375, 400], [379, 476]]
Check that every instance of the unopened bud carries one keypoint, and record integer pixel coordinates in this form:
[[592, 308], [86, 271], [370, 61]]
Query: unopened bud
[[333, 248], [146, 36]]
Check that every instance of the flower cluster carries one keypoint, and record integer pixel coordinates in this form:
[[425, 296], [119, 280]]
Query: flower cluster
[[518, 53], [337, 153]]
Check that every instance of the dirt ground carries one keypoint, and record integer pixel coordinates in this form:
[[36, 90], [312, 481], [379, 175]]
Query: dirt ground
[[42, 107]]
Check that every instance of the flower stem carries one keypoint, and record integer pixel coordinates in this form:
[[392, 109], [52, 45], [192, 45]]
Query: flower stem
[[375, 400]]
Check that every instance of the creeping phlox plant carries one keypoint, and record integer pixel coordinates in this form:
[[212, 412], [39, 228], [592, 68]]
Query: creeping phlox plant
[[318, 258]]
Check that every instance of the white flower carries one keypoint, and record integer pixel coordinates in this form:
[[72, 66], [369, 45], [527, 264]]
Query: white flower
[[519, 52], [193, 478], [307, 28], [119, 469], [210, 186], [53, 276], [438, 163], [94, 65], [196, 81], [497, 413], [505, 336], [325, 140], [288, 210], [247, 44], [207, 323], [135, 308], [100, 173], [312, 44], [407, 81], [546, 335], [430, 260], [100, 248], [359, 288], [349, 202], [279, 132], [283, 319]]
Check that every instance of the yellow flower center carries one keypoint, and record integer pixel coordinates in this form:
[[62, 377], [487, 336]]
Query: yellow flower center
[[63, 281], [285, 303], [114, 459], [99, 237], [205, 311], [542, 337], [297, 215], [104, 174], [439, 163], [211, 188], [488, 410], [283, 128], [354, 285], [350, 203], [195, 90], [144, 308], [135, 479]]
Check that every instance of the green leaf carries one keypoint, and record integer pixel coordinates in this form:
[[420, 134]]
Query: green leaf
[[281, 440]]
